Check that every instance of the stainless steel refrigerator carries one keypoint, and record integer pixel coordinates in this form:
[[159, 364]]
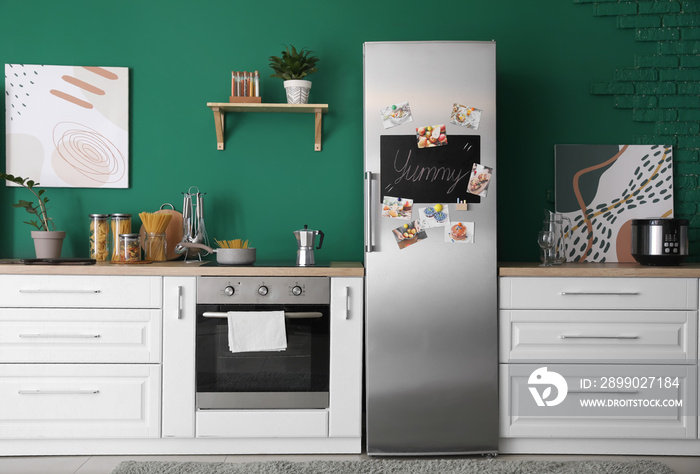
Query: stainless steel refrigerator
[[431, 296]]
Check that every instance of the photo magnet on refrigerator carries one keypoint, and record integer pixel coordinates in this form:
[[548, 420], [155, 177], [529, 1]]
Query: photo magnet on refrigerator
[[460, 233], [396, 207], [396, 114], [479, 180]]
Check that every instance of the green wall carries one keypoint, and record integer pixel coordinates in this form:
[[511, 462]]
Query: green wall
[[268, 181]]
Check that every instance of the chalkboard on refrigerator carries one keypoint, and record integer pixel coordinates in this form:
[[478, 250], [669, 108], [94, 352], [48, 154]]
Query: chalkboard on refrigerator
[[428, 175]]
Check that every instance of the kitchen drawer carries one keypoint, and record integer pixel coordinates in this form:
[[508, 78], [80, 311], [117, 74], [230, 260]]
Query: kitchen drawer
[[262, 424], [598, 293], [79, 401], [80, 335], [647, 337], [624, 390], [72, 291]]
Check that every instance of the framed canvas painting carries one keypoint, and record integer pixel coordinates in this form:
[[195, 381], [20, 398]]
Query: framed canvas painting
[[602, 188], [68, 126]]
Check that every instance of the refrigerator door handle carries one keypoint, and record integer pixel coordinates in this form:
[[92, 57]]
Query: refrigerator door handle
[[368, 211]]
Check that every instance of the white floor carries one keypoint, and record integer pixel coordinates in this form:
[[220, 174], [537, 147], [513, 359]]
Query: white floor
[[105, 464]]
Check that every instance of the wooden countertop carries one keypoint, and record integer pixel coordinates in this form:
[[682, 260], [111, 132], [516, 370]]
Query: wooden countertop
[[180, 268], [532, 269]]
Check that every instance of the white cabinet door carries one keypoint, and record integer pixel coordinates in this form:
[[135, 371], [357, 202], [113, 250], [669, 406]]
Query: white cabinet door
[[600, 401], [597, 293], [558, 336], [262, 424], [80, 291], [78, 335], [179, 317], [79, 401], [346, 357]]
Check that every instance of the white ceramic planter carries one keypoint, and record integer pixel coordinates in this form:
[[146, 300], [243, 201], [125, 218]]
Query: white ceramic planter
[[48, 244], [297, 91]]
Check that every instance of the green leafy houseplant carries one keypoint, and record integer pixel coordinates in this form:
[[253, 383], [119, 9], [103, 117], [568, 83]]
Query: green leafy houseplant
[[38, 209], [293, 65]]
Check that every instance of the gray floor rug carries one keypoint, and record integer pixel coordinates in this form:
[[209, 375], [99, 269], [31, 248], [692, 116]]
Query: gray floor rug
[[381, 466]]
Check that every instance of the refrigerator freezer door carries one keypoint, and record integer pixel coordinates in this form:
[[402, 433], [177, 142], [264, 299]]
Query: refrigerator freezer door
[[431, 308]]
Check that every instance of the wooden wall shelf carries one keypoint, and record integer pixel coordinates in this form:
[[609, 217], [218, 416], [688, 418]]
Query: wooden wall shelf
[[221, 108]]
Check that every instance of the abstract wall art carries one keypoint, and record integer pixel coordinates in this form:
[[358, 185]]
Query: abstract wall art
[[602, 188], [68, 126]]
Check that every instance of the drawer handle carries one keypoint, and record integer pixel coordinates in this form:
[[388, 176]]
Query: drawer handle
[[575, 336], [347, 302], [58, 392], [600, 293], [59, 291], [64, 336]]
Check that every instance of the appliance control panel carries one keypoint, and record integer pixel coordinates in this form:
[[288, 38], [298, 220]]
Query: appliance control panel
[[672, 243], [263, 290]]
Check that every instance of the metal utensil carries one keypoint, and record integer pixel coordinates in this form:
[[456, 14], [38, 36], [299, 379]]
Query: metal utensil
[[193, 228]]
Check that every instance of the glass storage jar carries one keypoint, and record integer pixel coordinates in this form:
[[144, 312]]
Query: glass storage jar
[[99, 237], [155, 246], [129, 248], [121, 224]]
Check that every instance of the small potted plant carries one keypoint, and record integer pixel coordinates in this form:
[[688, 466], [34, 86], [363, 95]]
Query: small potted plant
[[47, 241], [293, 67]]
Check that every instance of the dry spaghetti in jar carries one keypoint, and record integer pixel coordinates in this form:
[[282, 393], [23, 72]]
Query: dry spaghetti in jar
[[121, 224], [99, 237]]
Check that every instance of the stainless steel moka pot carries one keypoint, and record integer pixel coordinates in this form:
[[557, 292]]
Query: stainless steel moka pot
[[306, 240]]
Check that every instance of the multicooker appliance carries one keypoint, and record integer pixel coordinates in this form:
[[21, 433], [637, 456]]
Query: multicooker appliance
[[659, 241]]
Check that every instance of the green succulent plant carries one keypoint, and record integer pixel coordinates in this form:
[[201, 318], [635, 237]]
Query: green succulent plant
[[293, 64], [38, 209]]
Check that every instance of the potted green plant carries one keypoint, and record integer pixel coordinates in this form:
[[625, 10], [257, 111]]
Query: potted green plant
[[47, 241], [293, 66]]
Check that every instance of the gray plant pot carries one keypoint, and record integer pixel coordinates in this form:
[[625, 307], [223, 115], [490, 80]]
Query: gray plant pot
[[48, 244]]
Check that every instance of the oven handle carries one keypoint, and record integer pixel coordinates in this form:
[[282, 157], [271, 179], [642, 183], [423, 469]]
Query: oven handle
[[287, 314]]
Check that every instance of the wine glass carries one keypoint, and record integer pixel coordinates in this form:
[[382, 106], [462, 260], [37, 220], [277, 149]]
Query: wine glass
[[545, 239]]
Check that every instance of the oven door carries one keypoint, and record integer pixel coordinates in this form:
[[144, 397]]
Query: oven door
[[294, 378]]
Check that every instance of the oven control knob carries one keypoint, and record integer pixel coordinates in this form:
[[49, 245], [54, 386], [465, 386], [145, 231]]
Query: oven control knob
[[229, 291], [297, 291], [262, 291]]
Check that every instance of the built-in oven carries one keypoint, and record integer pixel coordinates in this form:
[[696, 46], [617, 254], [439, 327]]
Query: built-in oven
[[297, 377]]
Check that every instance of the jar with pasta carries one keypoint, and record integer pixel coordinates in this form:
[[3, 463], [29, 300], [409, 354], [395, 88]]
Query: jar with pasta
[[155, 246], [129, 248], [99, 237], [121, 224]]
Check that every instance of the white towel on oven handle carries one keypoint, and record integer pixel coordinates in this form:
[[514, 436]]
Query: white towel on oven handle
[[252, 331]]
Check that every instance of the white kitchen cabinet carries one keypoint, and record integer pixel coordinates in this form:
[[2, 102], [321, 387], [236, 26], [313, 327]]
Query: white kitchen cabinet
[[611, 340], [80, 335], [179, 317], [105, 364], [346, 353], [598, 293], [649, 337], [59, 401], [617, 419], [80, 291], [80, 357]]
